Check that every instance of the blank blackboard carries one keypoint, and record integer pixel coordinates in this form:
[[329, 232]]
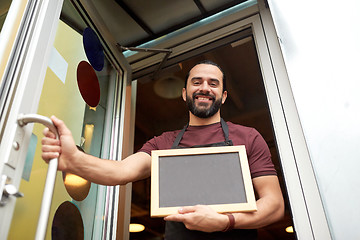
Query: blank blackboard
[[215, 176]]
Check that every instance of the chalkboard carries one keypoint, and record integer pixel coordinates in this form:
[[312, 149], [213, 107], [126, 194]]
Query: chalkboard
[[215, 176]]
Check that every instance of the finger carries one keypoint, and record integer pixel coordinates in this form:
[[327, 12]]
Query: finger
[[60, 125], [48, 133], [50, 141], [188, 209], [47, 156], [51, 148], [175, 218]]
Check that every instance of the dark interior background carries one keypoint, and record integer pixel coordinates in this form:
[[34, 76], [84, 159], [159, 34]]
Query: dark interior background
[[246, 105]]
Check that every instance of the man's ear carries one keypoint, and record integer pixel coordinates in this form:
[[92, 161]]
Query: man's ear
[[224, 96], [184, 94]]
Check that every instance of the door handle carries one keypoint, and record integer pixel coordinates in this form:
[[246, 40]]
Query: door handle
[[50, 177]]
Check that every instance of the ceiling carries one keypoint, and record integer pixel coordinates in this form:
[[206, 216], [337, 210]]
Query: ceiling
[[139, 21], [134, 22]]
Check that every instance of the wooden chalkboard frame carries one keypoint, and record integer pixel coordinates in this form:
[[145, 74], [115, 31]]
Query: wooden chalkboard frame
[[248, 206]]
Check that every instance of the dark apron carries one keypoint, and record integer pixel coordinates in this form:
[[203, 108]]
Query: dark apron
[[178, 231]]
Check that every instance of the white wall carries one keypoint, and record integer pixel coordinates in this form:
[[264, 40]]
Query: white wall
[[320, 41]]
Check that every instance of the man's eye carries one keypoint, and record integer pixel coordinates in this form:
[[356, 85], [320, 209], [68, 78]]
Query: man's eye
[[213, 84], [196, 83]]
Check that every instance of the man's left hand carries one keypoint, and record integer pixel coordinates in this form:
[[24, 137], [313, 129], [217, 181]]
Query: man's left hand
[[200, 218]]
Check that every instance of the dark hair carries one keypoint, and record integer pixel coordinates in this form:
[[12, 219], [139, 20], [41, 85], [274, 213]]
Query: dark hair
[[209, 63]]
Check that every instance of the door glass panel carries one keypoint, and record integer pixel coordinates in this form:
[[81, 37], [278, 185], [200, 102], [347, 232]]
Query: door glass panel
[[63, 96]]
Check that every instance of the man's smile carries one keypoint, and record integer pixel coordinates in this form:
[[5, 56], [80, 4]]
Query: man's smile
[[202, 98]]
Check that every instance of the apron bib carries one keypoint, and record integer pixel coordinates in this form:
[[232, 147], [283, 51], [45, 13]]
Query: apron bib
[[178, 231]]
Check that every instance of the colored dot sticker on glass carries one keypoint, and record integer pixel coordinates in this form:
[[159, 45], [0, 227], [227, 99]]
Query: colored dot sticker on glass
[[93, 49], [67, 223], [88, 84], [77, 187]]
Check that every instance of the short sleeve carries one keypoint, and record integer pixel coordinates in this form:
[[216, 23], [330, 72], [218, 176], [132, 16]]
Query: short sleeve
[[259, 156], [149, 146], [162, 142]]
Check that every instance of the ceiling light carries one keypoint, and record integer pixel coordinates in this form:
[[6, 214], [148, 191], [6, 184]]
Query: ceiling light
[[135, 227], [169, 87], [289, 229]]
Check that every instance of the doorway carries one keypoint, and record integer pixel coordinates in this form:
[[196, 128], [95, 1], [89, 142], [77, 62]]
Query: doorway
[[158, 111]]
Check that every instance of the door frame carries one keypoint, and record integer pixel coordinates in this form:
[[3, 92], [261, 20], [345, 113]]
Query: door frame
[[305, 202], [313, 222]]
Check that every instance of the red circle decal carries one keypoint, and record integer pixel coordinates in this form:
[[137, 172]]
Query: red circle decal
[[88, 84]]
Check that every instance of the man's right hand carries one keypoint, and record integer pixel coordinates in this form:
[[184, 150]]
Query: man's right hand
[[63, 148], [101, 171]]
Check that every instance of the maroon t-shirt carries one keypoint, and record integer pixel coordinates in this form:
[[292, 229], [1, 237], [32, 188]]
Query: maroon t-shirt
[[258, 153]]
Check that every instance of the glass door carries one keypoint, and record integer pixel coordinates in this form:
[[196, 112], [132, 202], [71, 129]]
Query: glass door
[[65, 71]]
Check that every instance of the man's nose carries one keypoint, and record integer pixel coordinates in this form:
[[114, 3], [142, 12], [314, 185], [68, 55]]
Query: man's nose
[[204, 87]]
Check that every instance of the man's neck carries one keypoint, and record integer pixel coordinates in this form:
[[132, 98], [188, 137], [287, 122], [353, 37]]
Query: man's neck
[[196, 121]]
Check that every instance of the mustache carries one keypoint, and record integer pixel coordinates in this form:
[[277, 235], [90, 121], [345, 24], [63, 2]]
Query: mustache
[[204, 95]]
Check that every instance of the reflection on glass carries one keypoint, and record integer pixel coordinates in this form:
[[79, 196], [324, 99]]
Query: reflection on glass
[[77, 187], [67, 223], [93, 135], [88, 135]]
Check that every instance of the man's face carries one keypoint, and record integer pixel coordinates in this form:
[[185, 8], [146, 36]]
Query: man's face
[[204, 90]]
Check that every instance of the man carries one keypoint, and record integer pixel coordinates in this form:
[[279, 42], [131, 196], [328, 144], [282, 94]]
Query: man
[[204, 93]]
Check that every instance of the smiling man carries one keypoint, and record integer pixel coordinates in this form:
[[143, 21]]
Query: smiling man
[[204, 96], [204, 93]]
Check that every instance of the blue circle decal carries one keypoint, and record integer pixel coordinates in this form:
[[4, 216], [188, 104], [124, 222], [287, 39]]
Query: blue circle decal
[[93, 49]]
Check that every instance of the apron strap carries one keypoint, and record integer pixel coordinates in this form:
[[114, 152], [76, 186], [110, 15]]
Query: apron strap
[[179, 137], [224, 127]]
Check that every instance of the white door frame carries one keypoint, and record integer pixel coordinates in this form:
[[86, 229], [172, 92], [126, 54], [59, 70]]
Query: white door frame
[[301, 166], [306, 206]]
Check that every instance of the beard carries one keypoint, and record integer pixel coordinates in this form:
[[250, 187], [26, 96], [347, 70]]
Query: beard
[[202, 111]]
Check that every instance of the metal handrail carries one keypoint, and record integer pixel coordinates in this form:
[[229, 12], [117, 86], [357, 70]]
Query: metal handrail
[[50, 177]]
